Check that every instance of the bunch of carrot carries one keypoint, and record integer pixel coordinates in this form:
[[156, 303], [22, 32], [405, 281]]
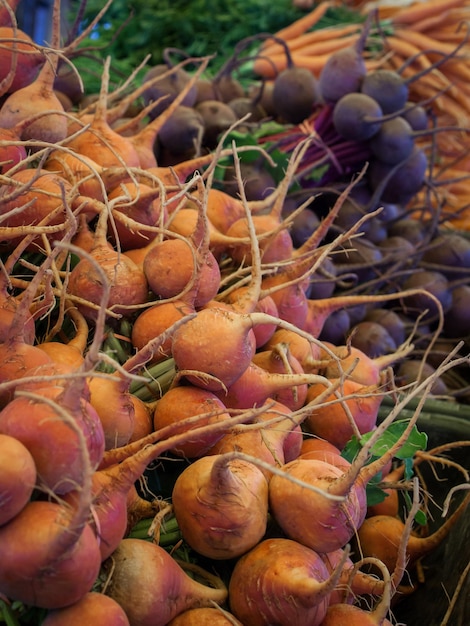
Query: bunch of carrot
[[410, 39], [429, 32], [309, 46]]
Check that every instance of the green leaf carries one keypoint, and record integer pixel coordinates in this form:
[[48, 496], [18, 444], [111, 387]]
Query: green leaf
[[416, 441]]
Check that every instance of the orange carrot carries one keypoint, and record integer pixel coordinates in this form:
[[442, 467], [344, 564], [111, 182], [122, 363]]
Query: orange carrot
[[269, 67], [314, 36], [451, 93], [431, 22], [457, 71], [405, 49], [448, 35], [305, 22], [421, 10], [325, 47], [445, 104], [423, 41]]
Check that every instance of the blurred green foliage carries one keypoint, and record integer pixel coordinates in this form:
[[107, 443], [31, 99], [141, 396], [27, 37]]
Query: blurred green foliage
[[131, 30]]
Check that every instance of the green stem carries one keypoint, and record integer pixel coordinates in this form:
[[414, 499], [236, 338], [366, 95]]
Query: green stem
[[7, 615], [440, 407], [160, 377]]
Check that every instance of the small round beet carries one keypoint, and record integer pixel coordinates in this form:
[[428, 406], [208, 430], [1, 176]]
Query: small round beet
[[183, 132], [342, 73], [372, 338], [415, 371], [394, 142], [434, 283], [357, 117], [336, 327], [457, 318], [295, 94], [399, 183], [387, 87], [451, 252], [391, 321], [218, 117]]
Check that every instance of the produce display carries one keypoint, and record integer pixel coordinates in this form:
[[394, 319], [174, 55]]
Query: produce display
[[231, 297]]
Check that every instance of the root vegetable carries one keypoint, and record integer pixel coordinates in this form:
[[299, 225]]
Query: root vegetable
[[380, 535], [182, 133], [35, 197], [449, 251], [155, 320], [55, 450], [394, 142], [413, 370], [256, 384], [357, 117], [193, 347], [112, 402], [435, 283], [223, 209], [93, 607], [274, 436], [332, 524], [169, 590], [122, 467], [399, 183], [264, 332], [455, 321], [320, 310], [275, 247], [372, 339], [332, 421], [323, 450], [338, 526], [184, 268], [143, 205], [128, 283], [280, 582], [50, 556], [19, 358], [288, 285], [221, 505], [39, 96], [18, 477], [146, 140], [217, 118], [185, 401], [279, 360], [70, 354], [112, 399], [341, 613], [387, 87], [61, 559], [344, 70], [166, 89], [99, 141], [363, 369], [143, 425], [275, 243], [295, 94], [205, 617], [305, 351], [12, 152], [19, 56], [390, 320], [352, 581]]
